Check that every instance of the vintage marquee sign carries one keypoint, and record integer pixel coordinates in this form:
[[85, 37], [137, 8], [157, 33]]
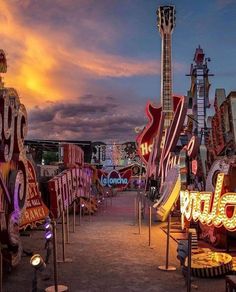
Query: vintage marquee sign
[[71, 155], [36, 211], [67, 186], [13, 166], [217, 209]]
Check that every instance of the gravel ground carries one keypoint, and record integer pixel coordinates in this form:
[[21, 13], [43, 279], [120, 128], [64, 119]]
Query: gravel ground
[[108, 254]]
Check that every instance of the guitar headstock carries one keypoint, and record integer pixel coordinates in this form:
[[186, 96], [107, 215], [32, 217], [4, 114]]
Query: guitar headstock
[[166, 19]]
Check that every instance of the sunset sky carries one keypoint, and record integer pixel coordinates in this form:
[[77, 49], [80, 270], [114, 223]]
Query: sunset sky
[[86, 68]]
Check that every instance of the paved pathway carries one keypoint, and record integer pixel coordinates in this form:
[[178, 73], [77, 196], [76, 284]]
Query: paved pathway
[[109, 255]]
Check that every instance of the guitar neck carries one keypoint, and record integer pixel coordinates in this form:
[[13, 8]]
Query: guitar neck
[[166, 82]]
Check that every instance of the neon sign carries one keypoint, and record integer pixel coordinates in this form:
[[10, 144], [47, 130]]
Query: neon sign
[[218, 209], [13, 166], [113, 178], [146, 148], [66, 187]]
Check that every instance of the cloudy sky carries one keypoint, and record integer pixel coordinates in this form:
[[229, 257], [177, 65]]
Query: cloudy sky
[[86, 68]]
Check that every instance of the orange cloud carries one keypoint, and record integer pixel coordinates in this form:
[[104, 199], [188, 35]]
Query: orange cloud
[[107, 65], [32, 59], [44, 66]]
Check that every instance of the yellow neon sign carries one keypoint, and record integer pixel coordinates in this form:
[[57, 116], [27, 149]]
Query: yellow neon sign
[[210, 208]]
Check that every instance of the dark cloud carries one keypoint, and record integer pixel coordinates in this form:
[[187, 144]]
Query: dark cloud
[[93, 118]]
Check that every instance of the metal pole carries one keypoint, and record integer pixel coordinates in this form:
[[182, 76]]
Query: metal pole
[[64, 260], [63, 236], [67, 224], [140, 175], [89, 206], [150, 224], [111, 197], [35, 282], [74, 209], [166, 267], [80, 211], [135, 210], [1, 269], [55, 255], [189, 262], [168, 241], [55, 287], [139, 217]]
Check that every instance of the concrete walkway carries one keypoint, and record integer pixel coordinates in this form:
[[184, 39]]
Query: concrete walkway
[[109, 255]]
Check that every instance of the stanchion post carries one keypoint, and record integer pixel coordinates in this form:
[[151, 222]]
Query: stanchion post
[[74, 209], [111, 197], [167, 267], [150, 225], [55, 255], [139, 217], [67, 225], [135, 210], [168, 242], [55, 287], [63, 236], [1, 269], [189, 262], [80, 211], [90, 206], [63, 240]]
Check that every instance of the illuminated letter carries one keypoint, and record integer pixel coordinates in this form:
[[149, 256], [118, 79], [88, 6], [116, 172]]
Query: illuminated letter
[[228, 200], [144, 149]]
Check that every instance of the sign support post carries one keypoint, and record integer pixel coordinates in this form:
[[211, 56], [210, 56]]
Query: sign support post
[[56, 287], [74, 209], [67, 225], [64, 260], [166, 267], [150, 225], [139, 216]]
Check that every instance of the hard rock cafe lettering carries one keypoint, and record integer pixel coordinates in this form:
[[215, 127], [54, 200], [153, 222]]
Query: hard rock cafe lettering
[[218, 208], [146, 148]]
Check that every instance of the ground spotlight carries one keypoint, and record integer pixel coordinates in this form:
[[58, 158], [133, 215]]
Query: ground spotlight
[[82, 205], [47, 225], [37, 262], [48, 228], [48, 235]]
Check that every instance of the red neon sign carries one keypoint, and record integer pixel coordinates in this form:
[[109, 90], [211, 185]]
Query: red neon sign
[[146, 137]]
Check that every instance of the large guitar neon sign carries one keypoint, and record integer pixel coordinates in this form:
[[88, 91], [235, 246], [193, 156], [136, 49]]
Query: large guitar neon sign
[[146, 137]]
